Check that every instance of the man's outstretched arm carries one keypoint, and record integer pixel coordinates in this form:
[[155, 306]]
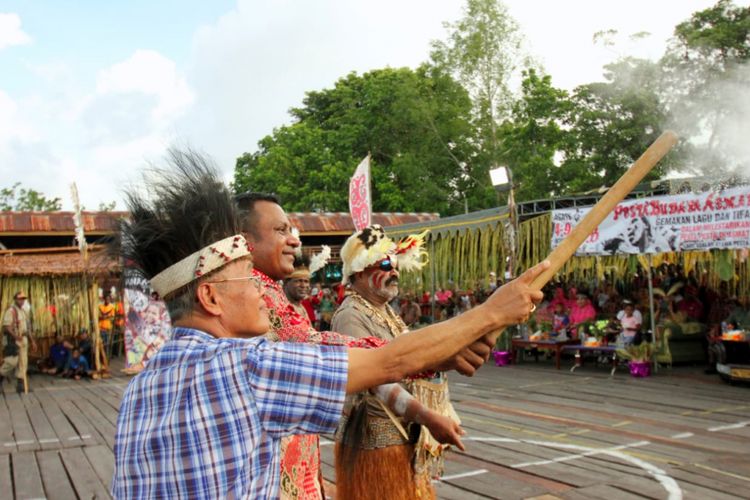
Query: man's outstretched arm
[[429, 347]]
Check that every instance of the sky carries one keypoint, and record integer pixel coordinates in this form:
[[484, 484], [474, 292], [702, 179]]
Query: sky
[[91, 92]]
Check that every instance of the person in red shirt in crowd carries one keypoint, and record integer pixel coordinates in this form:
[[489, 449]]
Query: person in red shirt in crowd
[[581, 312], [443, 296], [690, 306], [425, 304]]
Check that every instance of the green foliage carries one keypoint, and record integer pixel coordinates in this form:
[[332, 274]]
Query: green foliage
[[483, 51], [611, 125], [434, 132], [107, 207], [705, 84], [25, 200], [639, 353], [559, 144], [532, 138], [415, 124]]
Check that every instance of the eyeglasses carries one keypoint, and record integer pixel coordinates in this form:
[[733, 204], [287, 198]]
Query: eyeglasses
[[252, 279]]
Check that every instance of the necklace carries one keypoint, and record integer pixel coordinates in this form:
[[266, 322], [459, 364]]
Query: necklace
[[394, 323]]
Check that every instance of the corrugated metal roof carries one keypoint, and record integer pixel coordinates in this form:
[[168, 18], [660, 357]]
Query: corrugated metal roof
[[340, 223], [56, 263], [309, 223], [56, 223]]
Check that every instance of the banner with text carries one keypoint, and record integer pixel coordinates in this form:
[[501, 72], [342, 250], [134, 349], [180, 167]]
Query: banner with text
[[695, 221], [360, 200]]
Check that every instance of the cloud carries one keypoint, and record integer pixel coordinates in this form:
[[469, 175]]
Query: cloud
[[149, 73], [258, 60], [10, 31], [97, 132], [12, 127]]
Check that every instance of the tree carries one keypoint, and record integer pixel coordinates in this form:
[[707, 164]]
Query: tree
[[533, 138], [483, 51], [705, 85], [22, 200], [107, 207], [414, 123], [611, 124]]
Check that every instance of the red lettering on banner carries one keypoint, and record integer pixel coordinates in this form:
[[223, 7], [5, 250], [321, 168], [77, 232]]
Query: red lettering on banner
[[709, 204]]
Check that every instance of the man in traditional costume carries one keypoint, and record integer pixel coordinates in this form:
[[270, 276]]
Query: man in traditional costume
[[205, 417], [16, 339], [275, 242], [399, 457]]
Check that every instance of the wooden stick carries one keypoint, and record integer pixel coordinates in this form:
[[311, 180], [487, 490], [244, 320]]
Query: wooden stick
[[630, 179]]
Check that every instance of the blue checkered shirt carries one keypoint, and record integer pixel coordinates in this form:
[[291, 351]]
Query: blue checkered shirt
[[204, 418]]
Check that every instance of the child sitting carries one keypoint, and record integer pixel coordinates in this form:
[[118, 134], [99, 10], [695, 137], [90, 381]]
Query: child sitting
[[560, 322], [77, 366]]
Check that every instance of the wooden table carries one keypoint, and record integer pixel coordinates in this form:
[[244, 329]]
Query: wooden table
[[609, 350], [549, 345]]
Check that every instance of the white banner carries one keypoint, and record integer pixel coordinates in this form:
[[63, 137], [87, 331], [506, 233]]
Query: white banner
[[696, 221], [360, 199]]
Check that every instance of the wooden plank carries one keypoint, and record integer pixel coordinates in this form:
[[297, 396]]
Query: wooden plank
[[26, 478], [61, 426], [85, 480], [102, 461], [6, 482], [606, 492], [102, 426], [45, 434], [103, 407], [22, 430], [54, 477], [7, 441], [447, 491], [85, 432]]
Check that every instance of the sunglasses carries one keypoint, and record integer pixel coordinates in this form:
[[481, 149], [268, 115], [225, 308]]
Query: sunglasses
[[252, 279], [386, 265]]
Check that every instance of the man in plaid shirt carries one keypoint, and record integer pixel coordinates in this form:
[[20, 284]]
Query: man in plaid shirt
[[205, 417]]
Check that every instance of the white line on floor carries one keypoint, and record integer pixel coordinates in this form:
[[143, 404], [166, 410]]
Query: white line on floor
[[574, 457], [464, 474], [683, 435], [727, 427], [490, 439]]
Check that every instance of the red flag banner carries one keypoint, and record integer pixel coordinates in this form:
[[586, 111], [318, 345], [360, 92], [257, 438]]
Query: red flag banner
[[360, 199]]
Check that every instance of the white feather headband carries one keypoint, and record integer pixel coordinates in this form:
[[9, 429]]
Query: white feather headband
[[202, 262], [370, 245]]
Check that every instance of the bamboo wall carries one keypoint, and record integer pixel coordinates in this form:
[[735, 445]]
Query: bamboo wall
[[464, 258], [68, 294]]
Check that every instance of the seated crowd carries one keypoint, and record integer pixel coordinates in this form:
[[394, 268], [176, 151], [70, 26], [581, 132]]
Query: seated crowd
[[69, 357]]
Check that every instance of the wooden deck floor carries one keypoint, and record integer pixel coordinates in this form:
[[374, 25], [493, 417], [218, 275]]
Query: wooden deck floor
[[533, 432]]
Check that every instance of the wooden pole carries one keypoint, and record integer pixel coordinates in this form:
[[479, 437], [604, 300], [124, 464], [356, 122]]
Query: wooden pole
[[630, 179], [651, 307]]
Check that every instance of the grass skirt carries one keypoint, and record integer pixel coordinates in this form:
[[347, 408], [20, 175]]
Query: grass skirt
[[382, 473]]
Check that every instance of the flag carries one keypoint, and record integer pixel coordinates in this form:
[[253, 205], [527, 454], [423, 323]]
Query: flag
[[78, 221], [360, 199]]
